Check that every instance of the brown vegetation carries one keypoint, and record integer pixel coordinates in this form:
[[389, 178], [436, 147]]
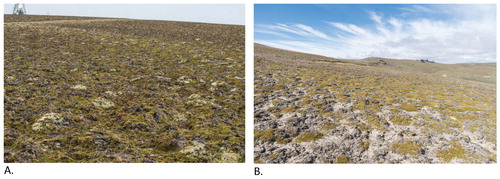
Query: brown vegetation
[[123, 91]]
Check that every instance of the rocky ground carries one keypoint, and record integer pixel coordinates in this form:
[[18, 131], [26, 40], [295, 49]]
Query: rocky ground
[[313, 109], [117, 90]]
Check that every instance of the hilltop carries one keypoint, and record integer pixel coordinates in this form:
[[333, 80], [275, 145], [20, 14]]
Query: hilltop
[[482, 72], [315, 109], [83, 89]]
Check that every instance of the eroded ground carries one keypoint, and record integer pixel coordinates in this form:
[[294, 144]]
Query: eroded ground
[[313, 109], [116, 90]]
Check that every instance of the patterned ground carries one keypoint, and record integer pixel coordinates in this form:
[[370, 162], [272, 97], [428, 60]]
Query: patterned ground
[[117, 90], [313, 109]]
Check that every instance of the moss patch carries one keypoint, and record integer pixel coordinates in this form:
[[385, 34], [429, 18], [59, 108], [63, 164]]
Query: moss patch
[[265, 135], [407, 147], [342, 159], [453, 152], [308, 137], [408, 107]]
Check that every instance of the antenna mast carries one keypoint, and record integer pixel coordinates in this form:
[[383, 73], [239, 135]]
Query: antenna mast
[[19, 9]]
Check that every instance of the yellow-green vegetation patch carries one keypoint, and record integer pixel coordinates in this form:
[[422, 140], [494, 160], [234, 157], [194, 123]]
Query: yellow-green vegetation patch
[[465, 109], [441, 127], [406, 147], [366, 145], [408, 107], [329, 126], [308, 137], [456, 151], [290, 109], [342, 159], [401, 120], [265, 135], [376, 122], [493, 157]]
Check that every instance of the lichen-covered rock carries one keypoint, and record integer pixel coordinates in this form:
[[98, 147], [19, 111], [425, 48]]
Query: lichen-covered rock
[[197, 102], [185, 80], [218, 83], [49, 121], [79, 87], [102, 103], [194, 96], [111, 93], [195, 147]]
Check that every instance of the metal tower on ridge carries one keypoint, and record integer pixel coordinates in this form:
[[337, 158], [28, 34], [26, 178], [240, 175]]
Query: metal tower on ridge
[[19, 9]]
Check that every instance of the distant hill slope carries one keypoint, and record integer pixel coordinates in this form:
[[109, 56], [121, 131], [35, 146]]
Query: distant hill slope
[[314, 109], [34, 18], [483, 72]]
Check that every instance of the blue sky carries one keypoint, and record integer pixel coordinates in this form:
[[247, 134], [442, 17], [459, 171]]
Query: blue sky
[[210, 13], [444, 33]]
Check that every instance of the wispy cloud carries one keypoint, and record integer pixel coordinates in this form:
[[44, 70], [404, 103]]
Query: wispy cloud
[[375, 17], [351, 28], [311, 31], [417, 9], [293, 29], [465, 37], [272, 33]]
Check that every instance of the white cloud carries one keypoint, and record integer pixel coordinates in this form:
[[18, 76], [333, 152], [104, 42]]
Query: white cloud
[[375, 17], [311, 31], [395, 23], [279, 27], [272, 33], [297, 29], [417, 9], [351, 28], [466, 37]]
